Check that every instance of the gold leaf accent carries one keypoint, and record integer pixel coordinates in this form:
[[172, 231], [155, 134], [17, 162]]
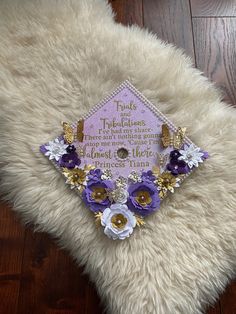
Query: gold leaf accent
[[88, 167], [139, 220], [156, 171], [98, 217]]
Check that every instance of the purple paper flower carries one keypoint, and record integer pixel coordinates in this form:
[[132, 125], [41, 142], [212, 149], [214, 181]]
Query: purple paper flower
[[175, 154], [176, 167], [96, 195], [70, 149], [205, 155], [143, 198], [148, 176], [69, 160], [95, 175]]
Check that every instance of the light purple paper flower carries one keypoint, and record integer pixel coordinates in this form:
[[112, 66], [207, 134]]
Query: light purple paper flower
[[148, 176], [118, 221], [95, 175]]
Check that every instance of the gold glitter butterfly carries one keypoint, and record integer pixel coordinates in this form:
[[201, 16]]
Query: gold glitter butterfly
[[156, 171], [80, 130], [162, 159], [177, 139], [69, 135]]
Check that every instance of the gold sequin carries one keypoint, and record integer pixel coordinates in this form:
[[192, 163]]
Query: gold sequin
[[99, 194], [166, 182], [143, 198], [75, 176], [119, 221]]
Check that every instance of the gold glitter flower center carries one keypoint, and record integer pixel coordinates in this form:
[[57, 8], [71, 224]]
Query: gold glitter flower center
[[99, 194], [167, 181], [76, 176], [143, 198], [119, 221]]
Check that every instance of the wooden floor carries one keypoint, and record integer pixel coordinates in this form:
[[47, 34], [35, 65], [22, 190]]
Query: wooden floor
[[38, 278]]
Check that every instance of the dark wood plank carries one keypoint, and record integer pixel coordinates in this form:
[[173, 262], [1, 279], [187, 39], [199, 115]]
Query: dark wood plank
[[93, 304], [214, 309], [11, 247], [213, 7], [51, 283], [215, 52], [128, 12], [171, 21], [228, 300]]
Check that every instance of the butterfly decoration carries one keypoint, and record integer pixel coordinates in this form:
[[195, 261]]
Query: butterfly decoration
[[162, 159], [176, 140], [156, 171], [122, 194], [69, 135], [80, 130]]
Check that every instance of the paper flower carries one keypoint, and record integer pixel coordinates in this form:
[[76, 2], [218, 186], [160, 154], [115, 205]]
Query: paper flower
[[70, 149], [205, 154], [95, 175], [69, 160], [118, 221], [134, 177], [176, 167], [148, 176], [106, 174], [121, 182], [76, 178], [143, 198], [166, 182], [96, 194], [55, 149], [174, 154], [192, 155], [119, 195]]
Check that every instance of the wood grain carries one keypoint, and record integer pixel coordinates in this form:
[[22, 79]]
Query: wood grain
[[215, 51], [128, 12], [51, 283], [228, 300], [11, 247], [213, 8], [171, 21], [214, 309]]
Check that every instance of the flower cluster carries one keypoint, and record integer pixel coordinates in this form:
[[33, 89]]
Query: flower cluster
[[120, 205], [183, 160]]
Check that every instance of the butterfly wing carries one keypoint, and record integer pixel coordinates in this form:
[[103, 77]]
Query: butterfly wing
[[80, 130], [165, 135], [68, 133], [156, 171], [179, 138]]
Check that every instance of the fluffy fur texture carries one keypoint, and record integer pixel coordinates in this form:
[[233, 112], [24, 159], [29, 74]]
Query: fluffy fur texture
[[58, 59]]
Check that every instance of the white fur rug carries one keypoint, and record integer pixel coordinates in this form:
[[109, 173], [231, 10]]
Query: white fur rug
[[58, 59]]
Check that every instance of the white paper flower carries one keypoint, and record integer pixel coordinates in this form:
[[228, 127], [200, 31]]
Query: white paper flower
[[119, 195], [118, 221], [107, 175], [191, 155], [55, 149], [135, 177]]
